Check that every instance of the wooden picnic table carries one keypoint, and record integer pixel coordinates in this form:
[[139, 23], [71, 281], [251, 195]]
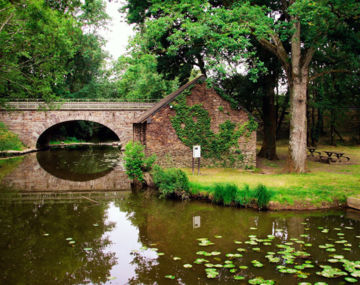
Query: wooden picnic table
[[329, 155]]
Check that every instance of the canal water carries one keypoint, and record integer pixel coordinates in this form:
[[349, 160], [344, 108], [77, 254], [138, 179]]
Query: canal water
[[99, 232]]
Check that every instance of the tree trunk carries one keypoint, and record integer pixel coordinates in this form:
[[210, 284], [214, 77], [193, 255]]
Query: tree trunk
[[268, 148], [297, 140]]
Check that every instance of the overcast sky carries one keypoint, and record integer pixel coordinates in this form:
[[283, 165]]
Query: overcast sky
[[118, 31]]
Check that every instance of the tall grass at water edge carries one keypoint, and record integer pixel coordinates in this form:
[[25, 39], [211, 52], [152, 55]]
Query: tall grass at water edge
[[228, 194]]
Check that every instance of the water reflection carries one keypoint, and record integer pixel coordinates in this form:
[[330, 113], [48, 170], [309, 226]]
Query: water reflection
[[86, 169], [34, 249], [80, 163], [116, 241]]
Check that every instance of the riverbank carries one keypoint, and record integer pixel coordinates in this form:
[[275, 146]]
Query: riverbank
[[323, 186]]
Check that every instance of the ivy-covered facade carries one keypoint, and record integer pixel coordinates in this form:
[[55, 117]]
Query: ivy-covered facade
[[197, 115]]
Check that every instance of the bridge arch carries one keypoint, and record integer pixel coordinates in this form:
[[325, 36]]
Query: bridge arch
[[30, 122], [53, 132]]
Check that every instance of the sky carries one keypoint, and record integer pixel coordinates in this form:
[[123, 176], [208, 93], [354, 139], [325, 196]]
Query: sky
[[117, 32]]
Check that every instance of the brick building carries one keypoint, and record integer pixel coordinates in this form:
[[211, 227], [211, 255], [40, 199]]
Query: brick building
[[155, 130]]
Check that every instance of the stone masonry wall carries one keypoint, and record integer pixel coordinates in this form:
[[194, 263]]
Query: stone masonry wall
[[29, 125], [162, 139]]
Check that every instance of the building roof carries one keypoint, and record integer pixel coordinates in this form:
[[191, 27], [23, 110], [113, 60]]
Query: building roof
[[168, 99]]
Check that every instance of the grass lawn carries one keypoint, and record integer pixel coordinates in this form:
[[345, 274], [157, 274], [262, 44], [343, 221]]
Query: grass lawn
[[323, 182]]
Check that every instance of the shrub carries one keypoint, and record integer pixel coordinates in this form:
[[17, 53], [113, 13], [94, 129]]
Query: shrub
[[225, 193], [171, 182], [136, 163], [263, 195], [245, 196], [8, 140]]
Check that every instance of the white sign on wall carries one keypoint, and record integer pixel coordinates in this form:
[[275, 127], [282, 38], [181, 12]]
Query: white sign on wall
[[196, 151]]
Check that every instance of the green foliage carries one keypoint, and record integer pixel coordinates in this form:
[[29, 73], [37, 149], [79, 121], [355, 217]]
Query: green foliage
[[193, 127], [136, 162], [225, 193], [136, 76], [8, 140], [52, 55], [171, 182], [262, 195]]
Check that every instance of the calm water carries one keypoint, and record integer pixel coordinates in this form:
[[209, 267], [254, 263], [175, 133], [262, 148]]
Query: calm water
[[128, 238]]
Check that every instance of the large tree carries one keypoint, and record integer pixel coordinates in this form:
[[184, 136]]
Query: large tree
[[292, 30], [48, 46]]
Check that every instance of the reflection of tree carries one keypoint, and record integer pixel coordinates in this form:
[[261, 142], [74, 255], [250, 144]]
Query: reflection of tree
[[167, 225], [79, 163], [29, 257]]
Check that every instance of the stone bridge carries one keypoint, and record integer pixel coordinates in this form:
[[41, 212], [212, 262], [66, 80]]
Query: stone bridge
[[30, 119]]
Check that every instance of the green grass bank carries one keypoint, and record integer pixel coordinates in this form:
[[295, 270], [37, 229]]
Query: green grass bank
[[324, 185], [8, 140]]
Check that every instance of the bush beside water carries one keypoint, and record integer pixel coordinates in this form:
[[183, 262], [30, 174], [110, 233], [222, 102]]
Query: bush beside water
[[173, 183]]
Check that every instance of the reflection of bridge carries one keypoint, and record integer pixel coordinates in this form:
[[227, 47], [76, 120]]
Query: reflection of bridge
[[29, 176], [30, 119]]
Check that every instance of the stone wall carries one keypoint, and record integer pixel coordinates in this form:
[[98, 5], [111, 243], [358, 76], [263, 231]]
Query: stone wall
[[161, 139], [29, 125]]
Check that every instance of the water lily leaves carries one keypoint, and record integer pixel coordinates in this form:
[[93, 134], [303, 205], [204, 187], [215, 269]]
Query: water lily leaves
[[233, 270], [330, 272], [257, 263], [308, 244], [170, 277], [204, 253], [243, 267], [46, 234], [215, 253], [88, 248], [229, 265], [253, 228], [256, 249], [239, 277], [237, 242], [71, 242], [176, 258], [96, 225], [69, 238], [160, 253], [200, 260], [261, 281], [320, 283], [211, 273], [302, 275], [217, 236], [241, 249], [187, 265], [350, 279], [233, 255], [111, 278]]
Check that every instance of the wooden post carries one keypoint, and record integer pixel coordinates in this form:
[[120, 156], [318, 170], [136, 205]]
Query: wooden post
[[198, 166], [193, 166]]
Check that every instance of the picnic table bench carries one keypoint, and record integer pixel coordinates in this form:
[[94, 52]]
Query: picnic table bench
[[330, 156]]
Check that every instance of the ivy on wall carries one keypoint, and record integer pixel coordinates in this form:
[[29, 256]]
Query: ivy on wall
[[192, 126]]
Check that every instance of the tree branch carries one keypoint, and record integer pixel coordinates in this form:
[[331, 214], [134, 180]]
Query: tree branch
[[308, 57], [6, 21], [329, 72], [277, 49]]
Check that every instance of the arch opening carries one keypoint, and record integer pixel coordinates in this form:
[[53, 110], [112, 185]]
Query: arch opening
[[76, 131]]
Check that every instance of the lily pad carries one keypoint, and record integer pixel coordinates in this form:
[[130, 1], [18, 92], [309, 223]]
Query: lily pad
[[239, 277], [169, 276], [350, 279], [187, 265]]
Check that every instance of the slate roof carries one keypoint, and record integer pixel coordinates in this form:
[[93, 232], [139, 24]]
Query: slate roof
[[166, 100]]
